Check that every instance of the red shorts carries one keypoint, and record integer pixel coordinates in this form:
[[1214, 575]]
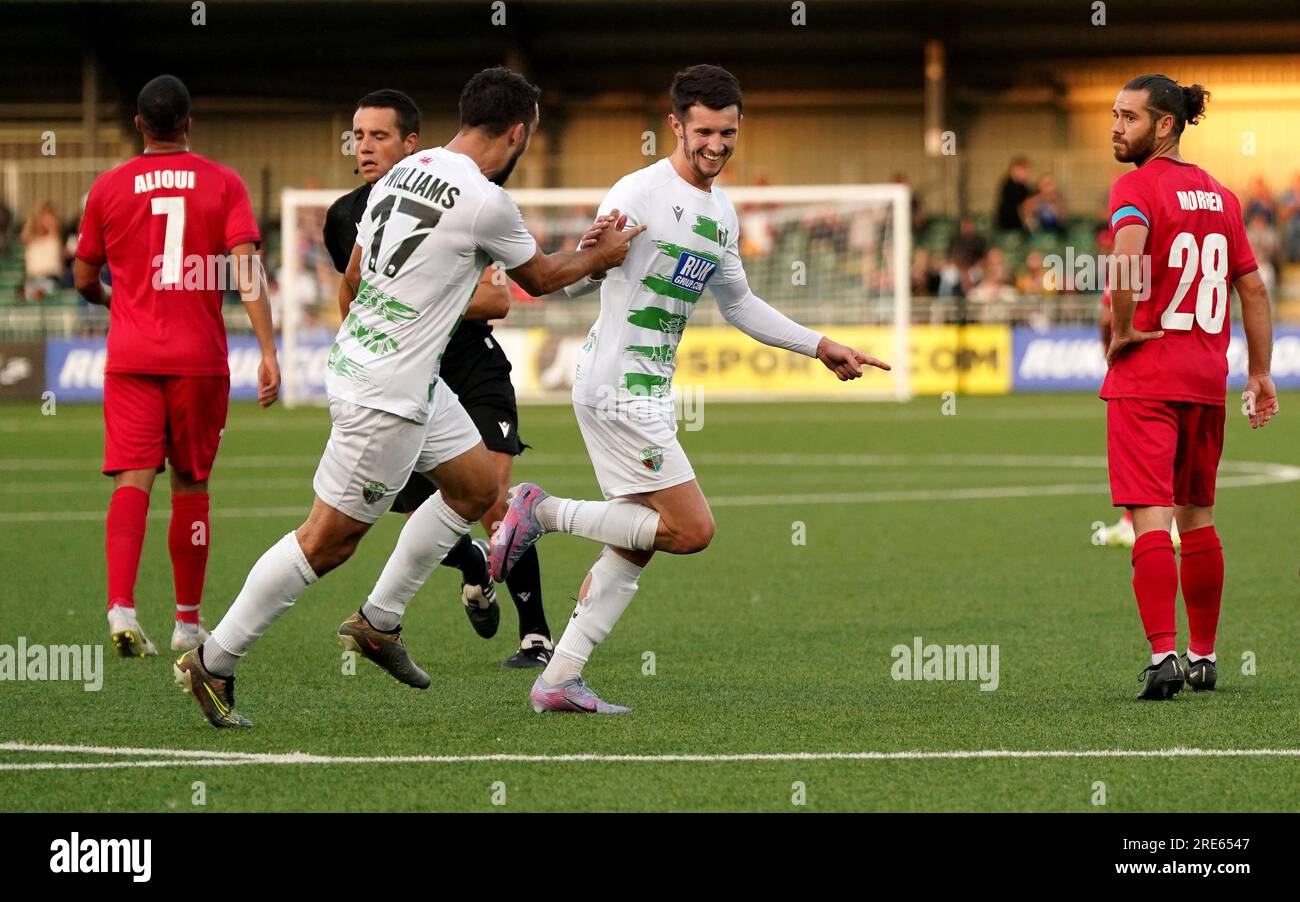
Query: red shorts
[[1163, 453], [149, 419]]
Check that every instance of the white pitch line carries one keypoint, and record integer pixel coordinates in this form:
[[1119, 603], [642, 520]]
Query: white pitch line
[[117, 750], [767, 459], [195, 758], [876, 497], [243, 513], [92, 465], [115, 765], [1242, 474], [237, 424]]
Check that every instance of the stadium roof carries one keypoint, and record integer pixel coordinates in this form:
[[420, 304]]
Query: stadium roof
[[326, 53]]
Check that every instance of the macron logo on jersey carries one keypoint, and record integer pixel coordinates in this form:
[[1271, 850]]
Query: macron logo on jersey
[[1200, 200], [692, 272]]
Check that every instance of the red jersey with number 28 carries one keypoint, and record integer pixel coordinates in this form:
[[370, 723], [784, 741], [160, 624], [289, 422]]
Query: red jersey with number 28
[[1197, 245], [158, 221]]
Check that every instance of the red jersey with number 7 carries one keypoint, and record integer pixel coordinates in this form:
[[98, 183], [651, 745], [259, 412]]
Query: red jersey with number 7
[[1196, 242], [160, 222]]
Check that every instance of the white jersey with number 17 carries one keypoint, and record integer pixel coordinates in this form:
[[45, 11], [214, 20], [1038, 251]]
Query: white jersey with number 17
[[431, 226]]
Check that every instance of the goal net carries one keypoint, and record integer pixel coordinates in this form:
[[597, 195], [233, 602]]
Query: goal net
[[833, 257]]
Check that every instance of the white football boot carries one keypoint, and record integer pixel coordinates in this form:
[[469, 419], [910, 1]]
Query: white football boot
[[1121, 533], [126, 635], [188, 635]]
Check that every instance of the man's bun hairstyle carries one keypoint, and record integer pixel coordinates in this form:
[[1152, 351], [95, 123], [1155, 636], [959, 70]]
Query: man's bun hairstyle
[[1167, 97]]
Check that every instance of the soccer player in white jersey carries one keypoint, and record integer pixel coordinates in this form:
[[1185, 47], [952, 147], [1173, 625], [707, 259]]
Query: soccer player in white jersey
[[622, 389], [432, 224]]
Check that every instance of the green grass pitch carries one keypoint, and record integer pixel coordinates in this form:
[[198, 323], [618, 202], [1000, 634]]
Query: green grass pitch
[[965, 529]]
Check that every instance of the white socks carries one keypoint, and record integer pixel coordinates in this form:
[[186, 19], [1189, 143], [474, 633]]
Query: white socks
[[426, 538], [272, 586], [613, 583], [282, 573], [621, 523]]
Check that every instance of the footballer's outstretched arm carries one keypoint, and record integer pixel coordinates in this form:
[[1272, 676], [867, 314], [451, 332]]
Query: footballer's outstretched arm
[[1257, 322], [545, 273], [250, 276], [763, 322]]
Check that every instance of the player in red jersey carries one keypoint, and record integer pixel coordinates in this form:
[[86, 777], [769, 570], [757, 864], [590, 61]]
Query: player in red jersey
[[1167, 368], [163, 222], [1121, 533]]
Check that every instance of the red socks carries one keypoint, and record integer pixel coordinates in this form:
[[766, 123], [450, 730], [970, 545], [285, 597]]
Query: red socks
[[187, 540], [124, 537], [1201, 573], [1155, 582]]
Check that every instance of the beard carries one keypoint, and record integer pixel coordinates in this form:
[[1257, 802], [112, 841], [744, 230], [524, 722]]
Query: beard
[[698, 161], [500, 178], [1138, 150]]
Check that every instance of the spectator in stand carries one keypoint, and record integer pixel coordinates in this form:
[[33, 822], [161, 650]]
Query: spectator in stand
[[1045, 211], [1289, 210], [1261, 201], [825, 232], [994, 279], [1012, 195], [1032, 279], [43, 252], [71, 233], [6, 227], [1263, 240], [925, 278], [967, 249]]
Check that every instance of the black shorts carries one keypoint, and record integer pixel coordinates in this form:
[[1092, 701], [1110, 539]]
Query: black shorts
[[482, 383]]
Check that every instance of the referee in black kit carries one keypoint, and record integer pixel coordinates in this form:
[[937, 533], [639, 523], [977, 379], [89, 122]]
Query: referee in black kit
[[386, 127]]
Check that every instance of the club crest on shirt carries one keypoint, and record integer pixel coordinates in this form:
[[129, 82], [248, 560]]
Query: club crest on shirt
[[372, 491], [652, 457]]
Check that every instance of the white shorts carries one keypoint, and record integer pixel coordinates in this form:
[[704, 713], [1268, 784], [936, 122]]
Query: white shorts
[[634, 450], [371, 453]]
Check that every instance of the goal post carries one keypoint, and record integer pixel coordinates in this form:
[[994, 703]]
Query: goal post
[[833, 257]]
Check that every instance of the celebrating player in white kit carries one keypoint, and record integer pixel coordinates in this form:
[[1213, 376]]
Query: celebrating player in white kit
[[622, 392], [431, 226]]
